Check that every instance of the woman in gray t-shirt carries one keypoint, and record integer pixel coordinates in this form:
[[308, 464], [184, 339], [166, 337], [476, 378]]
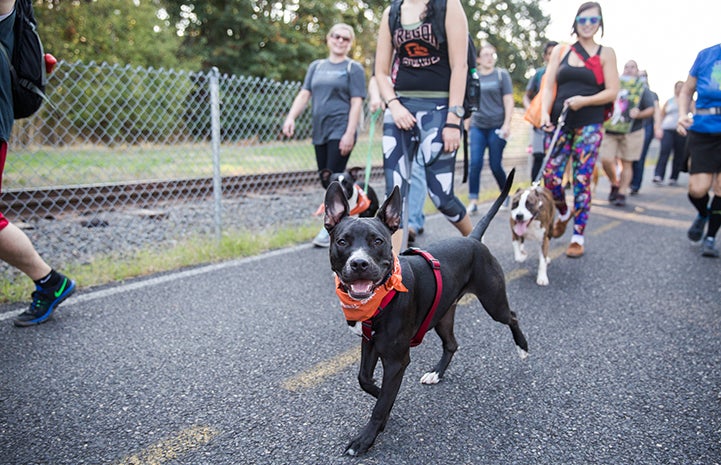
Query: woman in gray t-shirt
[[337, 86]]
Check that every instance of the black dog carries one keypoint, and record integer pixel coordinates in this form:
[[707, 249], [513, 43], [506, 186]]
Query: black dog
[[354, 189], [362, 258]]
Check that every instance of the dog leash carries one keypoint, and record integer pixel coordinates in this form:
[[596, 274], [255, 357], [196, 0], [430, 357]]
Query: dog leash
[[371, 133], [559, 125]]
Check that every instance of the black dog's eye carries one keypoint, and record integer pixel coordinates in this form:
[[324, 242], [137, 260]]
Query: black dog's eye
[[378, 242], [341, 242]]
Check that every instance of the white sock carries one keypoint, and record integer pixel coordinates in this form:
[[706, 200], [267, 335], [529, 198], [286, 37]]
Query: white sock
[[577, 238]]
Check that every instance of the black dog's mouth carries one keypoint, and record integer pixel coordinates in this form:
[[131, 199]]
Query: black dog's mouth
[[360, 289]]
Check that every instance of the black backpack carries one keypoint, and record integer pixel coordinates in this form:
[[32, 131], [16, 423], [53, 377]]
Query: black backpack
[[473, 86], [27, 65]]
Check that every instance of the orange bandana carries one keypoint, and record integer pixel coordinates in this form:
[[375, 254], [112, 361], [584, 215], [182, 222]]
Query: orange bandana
[[363, 203], [361, 310]]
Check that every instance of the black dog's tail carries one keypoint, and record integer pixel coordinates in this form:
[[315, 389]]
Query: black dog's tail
[[482, 225]]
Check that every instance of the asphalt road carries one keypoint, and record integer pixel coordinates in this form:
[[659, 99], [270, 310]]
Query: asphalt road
[[250, 362]]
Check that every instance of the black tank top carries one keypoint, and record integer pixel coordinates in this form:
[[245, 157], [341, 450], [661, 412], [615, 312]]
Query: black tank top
[[577, 80], [423, 62]]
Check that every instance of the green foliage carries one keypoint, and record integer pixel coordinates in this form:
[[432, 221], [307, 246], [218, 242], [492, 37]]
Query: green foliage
[[113, 31]]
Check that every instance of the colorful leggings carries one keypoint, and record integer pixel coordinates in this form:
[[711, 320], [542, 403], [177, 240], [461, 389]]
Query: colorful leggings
[[581, 146]]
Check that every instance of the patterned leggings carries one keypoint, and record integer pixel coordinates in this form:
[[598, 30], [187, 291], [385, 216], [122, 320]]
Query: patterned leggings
[[581, 147], [400, 148]]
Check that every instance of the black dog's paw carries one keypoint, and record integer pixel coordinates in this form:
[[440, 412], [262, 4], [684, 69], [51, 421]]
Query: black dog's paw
[[358, 447]]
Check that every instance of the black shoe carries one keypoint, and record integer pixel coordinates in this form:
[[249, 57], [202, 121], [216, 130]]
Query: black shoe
[[613, 194], [44, 303], [708, 248], [634, 191], [620, 200], [695, 232]]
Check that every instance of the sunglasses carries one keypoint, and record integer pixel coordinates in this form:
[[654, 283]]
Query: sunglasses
[[342, 38], [583, 20]]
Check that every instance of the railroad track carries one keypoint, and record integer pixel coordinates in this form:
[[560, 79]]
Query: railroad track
[[77, 199]]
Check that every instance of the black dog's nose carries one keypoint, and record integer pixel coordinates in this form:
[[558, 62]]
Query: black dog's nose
[[519, 216], [359, 264]]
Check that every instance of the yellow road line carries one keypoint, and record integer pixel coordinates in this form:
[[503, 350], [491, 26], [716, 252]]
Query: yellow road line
[[172, 448], [316, 375]]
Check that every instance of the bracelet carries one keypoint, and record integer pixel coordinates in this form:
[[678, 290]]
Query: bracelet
[[390, 100], [452, 126]]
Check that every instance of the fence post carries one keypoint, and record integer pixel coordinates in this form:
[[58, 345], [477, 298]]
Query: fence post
[[215, 147]]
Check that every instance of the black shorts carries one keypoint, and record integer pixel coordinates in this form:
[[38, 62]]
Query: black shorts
[[704, 152]]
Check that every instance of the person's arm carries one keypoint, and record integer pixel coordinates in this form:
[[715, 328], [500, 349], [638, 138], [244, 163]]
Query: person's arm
[[684, 105], [347, 141], [374, 95], [402, 118], [6, 6], [508, 106], [549, 84], [457, 38], [299, 103]]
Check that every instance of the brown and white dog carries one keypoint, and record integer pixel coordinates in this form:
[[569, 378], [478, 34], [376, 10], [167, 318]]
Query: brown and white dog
[[532, 212]]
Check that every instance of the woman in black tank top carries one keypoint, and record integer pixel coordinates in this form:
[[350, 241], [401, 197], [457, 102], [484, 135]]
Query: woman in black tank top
[[587, 80]]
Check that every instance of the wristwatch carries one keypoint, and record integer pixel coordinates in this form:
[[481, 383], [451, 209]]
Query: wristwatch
[[457, 110]]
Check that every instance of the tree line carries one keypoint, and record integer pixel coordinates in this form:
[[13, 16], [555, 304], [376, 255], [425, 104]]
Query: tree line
[[263, 38]]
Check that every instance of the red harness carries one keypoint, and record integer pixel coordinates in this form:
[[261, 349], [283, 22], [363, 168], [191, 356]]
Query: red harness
[[418, 338]]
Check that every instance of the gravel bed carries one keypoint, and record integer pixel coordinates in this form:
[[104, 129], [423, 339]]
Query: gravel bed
[[81, 238]]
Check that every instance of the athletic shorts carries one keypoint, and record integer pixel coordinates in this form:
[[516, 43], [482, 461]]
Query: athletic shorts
[[704, 152], [626, 147]]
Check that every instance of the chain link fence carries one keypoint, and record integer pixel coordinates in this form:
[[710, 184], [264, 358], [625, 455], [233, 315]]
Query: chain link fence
[[124, 152]]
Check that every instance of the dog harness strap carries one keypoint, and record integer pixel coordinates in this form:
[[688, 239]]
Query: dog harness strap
[[436, 266], [367, 325]]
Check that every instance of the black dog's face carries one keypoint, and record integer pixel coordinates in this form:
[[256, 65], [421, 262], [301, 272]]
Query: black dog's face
[[346, 179], [361, 251]]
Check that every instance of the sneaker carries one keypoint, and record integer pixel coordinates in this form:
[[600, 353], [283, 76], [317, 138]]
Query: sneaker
[[613, 194], [574, 250], [472, 208], [44, 303], [695, 232], [559, 227], [708, 248], [620, 200], [322, 239], [411, 235], [657, 180], [634, 191], [672, 182]]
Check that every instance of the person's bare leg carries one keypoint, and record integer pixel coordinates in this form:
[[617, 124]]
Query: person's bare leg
[[17, 250], [464, 226]]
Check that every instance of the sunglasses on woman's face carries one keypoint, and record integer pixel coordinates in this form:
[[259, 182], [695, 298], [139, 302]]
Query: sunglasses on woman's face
[[583, 20], [340, 37]]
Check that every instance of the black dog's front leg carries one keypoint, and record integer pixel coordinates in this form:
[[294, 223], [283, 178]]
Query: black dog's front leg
[[369, 360], [393, 371]]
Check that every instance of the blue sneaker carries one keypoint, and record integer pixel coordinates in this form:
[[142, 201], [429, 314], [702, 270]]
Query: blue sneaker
[[45, 301], [708, 248], [695, 232]]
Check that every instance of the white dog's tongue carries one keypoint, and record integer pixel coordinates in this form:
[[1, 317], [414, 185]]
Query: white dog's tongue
[[520, 228], [362, 287]]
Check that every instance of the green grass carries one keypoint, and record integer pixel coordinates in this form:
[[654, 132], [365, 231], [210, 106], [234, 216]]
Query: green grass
[[83, 165], [150, 260]]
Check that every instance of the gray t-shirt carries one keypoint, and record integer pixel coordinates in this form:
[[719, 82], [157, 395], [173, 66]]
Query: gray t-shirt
[[331, 87], [491, 111]]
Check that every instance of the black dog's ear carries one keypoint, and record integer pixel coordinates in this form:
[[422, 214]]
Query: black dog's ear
[[336, 206], [357, 173], [390, 211], [325, 175]]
